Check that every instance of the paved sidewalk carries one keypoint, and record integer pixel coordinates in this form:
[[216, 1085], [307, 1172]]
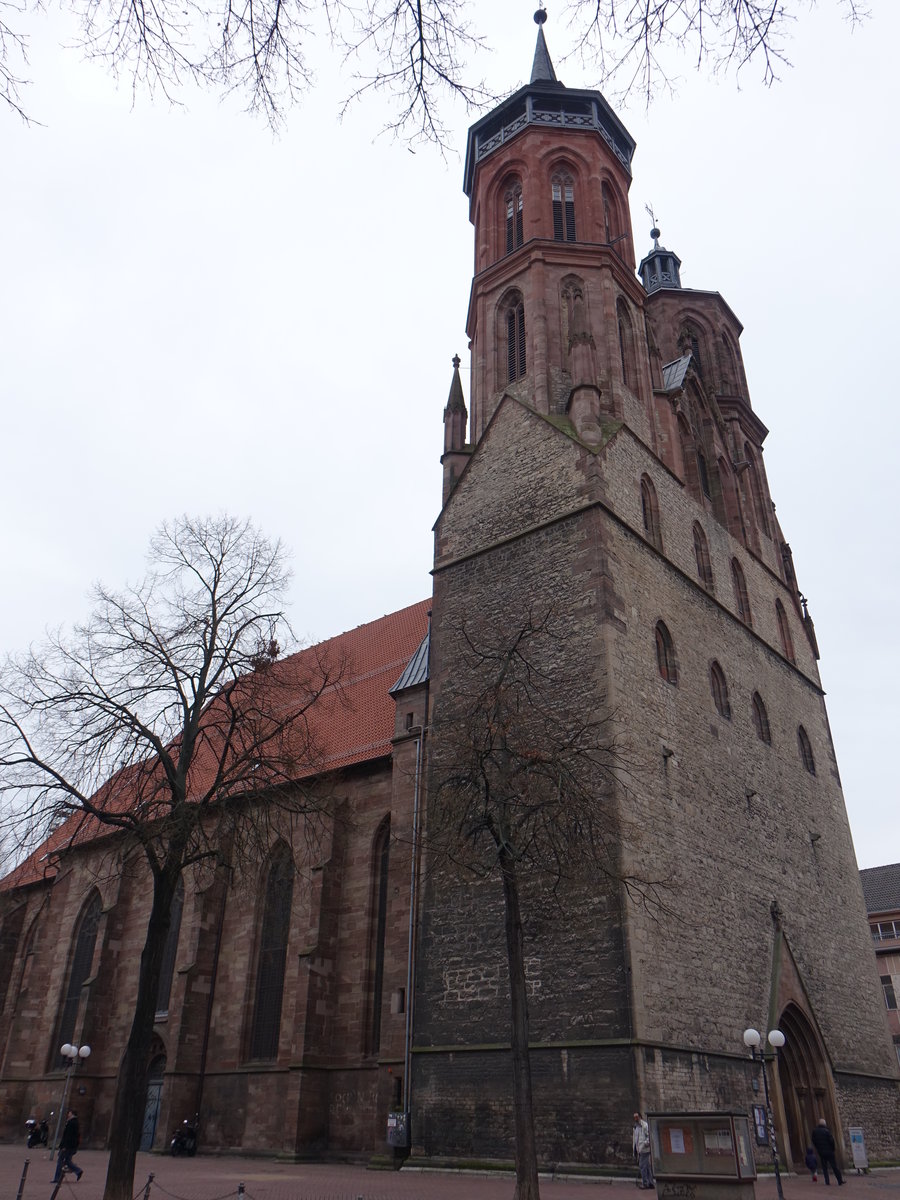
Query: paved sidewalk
[[214, 1178]]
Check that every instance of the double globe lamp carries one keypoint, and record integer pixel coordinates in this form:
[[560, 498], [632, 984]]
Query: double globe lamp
[[752, 1040], [73, 1054]]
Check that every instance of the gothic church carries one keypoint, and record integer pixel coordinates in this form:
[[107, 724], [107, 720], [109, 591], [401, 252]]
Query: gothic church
[[609, 466]]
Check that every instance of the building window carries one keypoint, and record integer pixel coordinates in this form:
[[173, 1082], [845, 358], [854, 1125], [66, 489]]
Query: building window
[[882, 931], [563, 207], [273, 940], [79, 973], [665, 654], [890, 996], [701, 554], [761, 720], [381, 863], [650, 512], [703, 471], [784, 631], [719, 688], [897, 1048], [167, 971], [756, 491], [626, 345], [514, 221], [805, 747], [10, 931], [741, 599], [515, 339], [610, 214]]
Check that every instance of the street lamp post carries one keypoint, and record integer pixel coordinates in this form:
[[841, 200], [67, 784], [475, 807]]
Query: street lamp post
[[752, 1041], [73, 1054]]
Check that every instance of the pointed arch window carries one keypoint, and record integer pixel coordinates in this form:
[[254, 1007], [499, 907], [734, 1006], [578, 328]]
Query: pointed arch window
[[512, 201], [650, 512], [784, 631], [626, 345], [701, 554], [514, 320], [610, 214], [167, 971], [805, 747], [82, 959], [563, 191], [761, 720], [703, 472], [665, 654], [273, 939], [719, 688], [381, 864], [756, 491], [741, 598]]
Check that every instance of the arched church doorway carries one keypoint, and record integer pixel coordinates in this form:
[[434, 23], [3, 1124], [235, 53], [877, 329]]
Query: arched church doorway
[[155, 1075], [805, 1081]]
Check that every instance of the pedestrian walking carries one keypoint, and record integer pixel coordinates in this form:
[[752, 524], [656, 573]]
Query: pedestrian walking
[[812, 1163], [68, 1145], [823, 1140], [640, 1140]]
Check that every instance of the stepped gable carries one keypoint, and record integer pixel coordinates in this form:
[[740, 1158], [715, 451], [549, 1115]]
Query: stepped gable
[[352, 722]]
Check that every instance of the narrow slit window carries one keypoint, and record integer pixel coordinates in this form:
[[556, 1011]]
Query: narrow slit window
[[741, 598], [806, 752], [701, 554], [784, 631], [514, 217], [719, 688], [665, 654], [761, 720]]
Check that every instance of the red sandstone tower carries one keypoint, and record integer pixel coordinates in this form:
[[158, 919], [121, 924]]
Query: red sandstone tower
[[614, 476]]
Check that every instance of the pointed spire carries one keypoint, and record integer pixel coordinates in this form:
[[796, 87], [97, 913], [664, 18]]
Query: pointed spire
[[456, 401], [542, 68]]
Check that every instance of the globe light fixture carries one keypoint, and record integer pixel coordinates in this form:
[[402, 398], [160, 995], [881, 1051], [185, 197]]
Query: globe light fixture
[[753, 1041], [73, 1054]]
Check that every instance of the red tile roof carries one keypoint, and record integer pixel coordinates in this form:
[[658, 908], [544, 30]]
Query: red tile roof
[[351, 722]]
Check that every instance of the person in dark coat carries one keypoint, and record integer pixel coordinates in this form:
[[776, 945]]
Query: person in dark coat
[[68, 1145], [823, 1140]]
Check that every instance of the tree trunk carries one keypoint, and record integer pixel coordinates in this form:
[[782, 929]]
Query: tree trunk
[[131, 1086], [526, 1150]]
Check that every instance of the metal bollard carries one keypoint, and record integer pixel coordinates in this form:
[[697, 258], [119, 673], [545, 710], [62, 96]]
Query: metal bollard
[[241, 1191], [22, 1180], [147, 1186]]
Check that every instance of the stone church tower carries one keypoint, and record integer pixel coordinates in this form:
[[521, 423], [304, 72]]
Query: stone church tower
[[613, 474]]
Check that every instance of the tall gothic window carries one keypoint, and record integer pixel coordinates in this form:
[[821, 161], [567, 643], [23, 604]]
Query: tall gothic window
[[10, 932], [761, 720], [701, 554], [719, 688], [805, 747], [273, 940], [610, 214], [703, 472], [381, 862], [650, 512], [563, 207], [514, 224], [741, 598], [626, 345], [167, 971], [784, 631], [515, 338], [665, 654], [79, 971]]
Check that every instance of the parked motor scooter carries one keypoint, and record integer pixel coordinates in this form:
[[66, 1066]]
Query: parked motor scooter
[[184, 1140], [38, 1132]]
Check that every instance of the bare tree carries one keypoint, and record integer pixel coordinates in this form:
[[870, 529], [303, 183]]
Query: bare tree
[[419, 51], [167, 720], [525, 789]]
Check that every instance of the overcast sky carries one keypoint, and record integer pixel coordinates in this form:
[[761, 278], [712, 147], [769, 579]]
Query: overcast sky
[[198, 316]]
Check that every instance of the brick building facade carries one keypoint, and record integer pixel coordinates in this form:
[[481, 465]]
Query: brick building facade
[[610, 472]]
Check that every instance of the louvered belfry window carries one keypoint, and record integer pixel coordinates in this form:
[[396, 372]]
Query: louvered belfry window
[[273, 942], [515, 342], [563, 208], [514, 220], [79, 971]]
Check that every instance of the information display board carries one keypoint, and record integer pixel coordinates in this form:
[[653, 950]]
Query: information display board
[[702, 1146]]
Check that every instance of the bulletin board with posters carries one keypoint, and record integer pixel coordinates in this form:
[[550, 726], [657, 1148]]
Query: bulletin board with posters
[[698, 1146]]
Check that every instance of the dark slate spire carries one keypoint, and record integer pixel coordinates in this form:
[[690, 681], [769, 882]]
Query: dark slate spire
[[660, 269], [455, 401], [542, 67]]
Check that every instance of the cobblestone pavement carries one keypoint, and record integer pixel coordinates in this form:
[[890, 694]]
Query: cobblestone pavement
[[213, 1178]]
